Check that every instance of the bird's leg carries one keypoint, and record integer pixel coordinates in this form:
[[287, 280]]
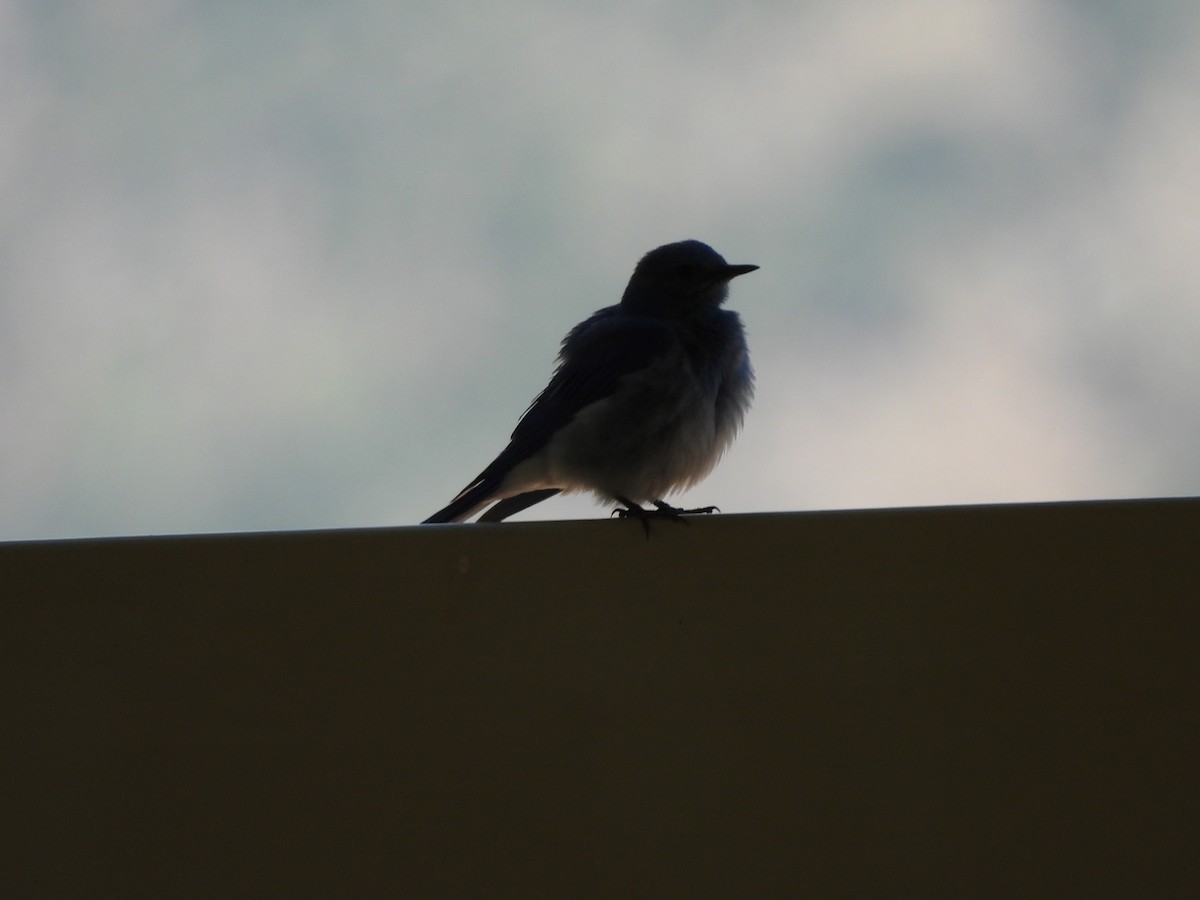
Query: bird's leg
[[633, 511], [661, 510]]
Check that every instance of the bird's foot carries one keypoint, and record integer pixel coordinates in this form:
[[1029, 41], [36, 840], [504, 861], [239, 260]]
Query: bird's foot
[[661, 510], [675, 512]]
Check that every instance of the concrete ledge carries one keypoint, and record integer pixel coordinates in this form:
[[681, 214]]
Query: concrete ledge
[[973, 701]]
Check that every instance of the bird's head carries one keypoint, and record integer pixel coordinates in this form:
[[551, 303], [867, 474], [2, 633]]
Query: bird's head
[[677, 279]]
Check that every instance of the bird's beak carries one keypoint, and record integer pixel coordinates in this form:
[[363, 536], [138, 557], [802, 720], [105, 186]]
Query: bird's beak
[[731, 272]]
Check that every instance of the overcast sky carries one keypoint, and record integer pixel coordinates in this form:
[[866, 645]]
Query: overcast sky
[[274, 265]]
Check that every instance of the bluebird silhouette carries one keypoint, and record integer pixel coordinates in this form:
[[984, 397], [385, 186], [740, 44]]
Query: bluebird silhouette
[[646, 397]]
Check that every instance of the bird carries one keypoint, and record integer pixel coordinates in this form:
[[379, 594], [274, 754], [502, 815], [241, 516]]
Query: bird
[[646, 397]]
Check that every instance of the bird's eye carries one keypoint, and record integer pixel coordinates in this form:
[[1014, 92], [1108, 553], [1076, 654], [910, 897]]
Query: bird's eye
[[686, 270]]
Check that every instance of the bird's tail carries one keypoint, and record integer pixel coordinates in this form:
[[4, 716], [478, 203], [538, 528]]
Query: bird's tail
[[511, 505], [473, 498], [479, 495], [489, 486]]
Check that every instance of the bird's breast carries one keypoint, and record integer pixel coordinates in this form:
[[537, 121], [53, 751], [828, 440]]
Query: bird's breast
[[662, 430]]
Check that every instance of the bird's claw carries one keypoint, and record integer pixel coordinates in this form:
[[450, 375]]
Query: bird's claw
[[661, 511], [698, 511]]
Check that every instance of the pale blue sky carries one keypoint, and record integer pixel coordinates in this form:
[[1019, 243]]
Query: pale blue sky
[[274, 265]]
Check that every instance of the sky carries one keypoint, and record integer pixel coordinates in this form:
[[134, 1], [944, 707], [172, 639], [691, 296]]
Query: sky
[[273, 266]]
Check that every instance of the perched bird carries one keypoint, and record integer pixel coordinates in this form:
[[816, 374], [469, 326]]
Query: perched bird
[[647, 396]]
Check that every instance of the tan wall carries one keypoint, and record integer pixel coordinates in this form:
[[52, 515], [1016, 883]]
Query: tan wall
[[989, 701]]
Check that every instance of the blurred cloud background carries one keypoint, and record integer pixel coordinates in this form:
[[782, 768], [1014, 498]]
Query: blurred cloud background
[[271, 265]]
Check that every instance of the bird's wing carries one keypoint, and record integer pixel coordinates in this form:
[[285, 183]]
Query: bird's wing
[[596, 355]]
